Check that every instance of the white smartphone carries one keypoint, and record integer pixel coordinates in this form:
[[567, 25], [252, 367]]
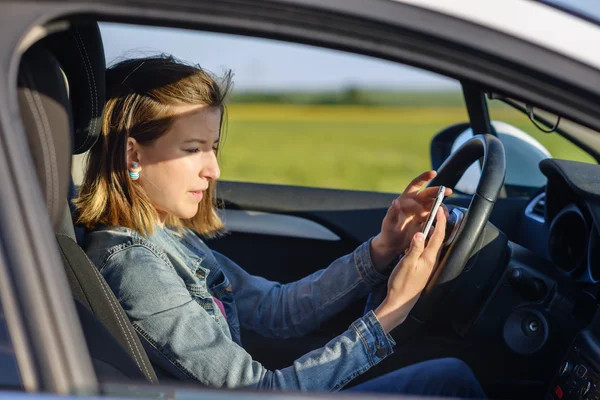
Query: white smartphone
[[436, 204]]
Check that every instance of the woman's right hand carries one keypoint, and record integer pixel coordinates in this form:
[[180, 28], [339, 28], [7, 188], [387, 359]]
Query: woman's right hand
[[409, 277]]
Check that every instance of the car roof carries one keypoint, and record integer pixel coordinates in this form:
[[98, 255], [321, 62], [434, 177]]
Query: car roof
[[537, 23]]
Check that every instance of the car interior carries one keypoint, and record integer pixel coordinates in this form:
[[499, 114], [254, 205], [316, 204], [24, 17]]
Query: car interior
[[516, 299]]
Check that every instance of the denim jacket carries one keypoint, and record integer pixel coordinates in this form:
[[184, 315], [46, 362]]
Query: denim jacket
[[167, 284]]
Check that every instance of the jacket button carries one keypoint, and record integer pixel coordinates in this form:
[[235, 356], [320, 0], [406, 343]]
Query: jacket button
[[381, 352]]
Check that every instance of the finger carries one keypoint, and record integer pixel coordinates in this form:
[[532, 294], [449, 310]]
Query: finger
[[392, 212], [446, 212], [423, 209], [415, 250], [428, 193], [431, 193], [431, 252], [424, 212], [416, 184]]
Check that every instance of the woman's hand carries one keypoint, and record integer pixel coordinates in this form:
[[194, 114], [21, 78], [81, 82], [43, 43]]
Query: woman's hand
[[411, 275], [404, 218]]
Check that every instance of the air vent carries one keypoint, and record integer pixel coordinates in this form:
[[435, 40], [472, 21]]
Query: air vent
[[537, 208]]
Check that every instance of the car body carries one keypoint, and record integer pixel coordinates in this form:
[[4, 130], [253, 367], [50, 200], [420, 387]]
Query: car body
[[514, 319]]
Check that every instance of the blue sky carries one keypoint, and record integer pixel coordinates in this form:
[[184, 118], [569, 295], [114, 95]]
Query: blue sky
[[271, 65], [265, 64]]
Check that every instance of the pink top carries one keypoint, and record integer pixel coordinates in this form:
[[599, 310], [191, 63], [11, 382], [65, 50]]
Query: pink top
[[220, 306]]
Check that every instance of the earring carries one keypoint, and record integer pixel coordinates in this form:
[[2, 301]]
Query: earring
[[135, 173]]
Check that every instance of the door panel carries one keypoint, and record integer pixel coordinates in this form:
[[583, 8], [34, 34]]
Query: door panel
[[353, 215], [258, 222]]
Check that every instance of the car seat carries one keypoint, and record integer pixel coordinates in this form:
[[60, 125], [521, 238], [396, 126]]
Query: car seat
[[61, 98]]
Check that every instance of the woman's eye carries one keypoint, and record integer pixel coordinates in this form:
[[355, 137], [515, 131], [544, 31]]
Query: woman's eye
[[215, 148], [192, 150]]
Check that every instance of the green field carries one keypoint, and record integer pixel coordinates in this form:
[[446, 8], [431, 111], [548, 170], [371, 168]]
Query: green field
[[346, 146]]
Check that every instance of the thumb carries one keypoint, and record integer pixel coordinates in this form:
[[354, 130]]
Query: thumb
[[415, 250]]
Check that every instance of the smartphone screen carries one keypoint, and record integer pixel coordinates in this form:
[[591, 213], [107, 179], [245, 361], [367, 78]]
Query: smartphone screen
[[436, 204]]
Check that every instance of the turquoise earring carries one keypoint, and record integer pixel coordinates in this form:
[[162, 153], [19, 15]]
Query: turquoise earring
[[134, 175]]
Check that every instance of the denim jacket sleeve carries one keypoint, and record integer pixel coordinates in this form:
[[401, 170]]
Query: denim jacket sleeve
[[295, 309], [185, 340]]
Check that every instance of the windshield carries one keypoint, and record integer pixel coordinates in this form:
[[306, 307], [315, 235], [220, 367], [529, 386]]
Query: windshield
[[545, 121], [588, 9]]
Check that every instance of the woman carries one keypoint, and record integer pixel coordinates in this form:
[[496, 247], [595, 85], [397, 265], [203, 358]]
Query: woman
[[148, 193]]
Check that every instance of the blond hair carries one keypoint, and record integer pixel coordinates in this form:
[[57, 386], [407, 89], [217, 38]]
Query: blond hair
[[142, 94]]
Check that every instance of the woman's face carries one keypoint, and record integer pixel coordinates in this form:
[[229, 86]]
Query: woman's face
[[177, 167]]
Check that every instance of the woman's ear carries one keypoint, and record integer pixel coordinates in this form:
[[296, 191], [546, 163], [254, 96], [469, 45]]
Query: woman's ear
[[133, 152]]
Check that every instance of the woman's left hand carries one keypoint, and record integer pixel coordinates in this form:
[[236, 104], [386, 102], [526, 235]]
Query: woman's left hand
[[404, 218]]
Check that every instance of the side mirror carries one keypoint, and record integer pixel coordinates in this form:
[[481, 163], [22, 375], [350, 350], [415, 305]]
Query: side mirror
[[523, 154]]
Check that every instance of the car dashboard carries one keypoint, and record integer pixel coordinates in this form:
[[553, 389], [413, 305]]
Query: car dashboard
[[560, 222], [561, 225]]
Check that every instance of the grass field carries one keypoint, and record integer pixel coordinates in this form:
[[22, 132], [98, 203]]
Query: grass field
[[379, 148], [348, 147]]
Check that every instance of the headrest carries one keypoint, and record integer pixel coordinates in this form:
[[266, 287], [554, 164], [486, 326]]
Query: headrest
[[45, 111], [81, 55]]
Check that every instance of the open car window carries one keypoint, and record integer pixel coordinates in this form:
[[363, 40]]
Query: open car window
[[307, 116]]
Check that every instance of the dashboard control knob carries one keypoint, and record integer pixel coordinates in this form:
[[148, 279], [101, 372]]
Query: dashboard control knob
[[528, 286], [513, 275], [565, 369], [534, 326], [585, 389]]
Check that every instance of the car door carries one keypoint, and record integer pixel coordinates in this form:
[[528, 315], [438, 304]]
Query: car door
[[244, 16]]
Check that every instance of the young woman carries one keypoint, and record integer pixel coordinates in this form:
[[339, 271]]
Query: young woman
[[149, 193]]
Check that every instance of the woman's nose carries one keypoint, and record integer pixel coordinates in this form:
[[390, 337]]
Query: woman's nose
[[211, 168]]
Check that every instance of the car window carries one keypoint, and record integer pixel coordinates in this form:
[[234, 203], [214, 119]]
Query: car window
[[557, 146], [525, 145], [301, 115], [589, 9]]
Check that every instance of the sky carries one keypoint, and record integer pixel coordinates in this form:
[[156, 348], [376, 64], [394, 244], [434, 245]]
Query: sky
[[263, 63], [271, 65]]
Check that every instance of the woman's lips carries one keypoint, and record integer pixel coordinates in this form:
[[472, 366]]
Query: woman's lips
[[197, 194]]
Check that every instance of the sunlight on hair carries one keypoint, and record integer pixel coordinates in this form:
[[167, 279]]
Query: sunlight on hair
[[142, 94]]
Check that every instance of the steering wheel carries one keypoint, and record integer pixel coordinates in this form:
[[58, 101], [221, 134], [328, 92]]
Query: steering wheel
[[466, 239]]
